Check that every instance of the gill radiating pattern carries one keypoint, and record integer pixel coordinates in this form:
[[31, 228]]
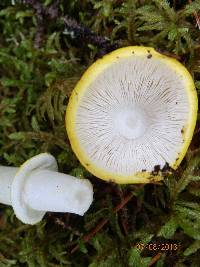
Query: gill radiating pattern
[[137, 82]]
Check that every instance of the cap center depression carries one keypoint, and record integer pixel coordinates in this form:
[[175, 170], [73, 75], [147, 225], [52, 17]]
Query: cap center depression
[[130, 122]]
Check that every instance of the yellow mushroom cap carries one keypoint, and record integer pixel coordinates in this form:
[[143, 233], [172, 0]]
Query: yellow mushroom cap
[[132, 110]]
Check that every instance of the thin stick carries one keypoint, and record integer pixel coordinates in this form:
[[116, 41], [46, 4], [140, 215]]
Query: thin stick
[[155, 259], [196, 16]]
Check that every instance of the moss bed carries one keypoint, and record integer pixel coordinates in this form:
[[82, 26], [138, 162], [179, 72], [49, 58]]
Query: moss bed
[[45, 46]]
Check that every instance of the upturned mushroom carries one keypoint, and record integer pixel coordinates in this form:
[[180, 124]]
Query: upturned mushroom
[[37, 187], [132, 113]]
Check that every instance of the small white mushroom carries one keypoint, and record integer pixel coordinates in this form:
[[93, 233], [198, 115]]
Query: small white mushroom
[[37, 187]]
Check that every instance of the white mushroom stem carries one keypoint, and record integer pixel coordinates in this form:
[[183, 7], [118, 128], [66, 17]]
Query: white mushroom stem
[[7, 175], [57, 192], [36, 187]]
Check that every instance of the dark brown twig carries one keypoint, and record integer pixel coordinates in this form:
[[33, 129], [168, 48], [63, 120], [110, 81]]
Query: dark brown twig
[[83, 34], [42, 13], [124, 213], [155, 259], [101, 224], [196, 16]]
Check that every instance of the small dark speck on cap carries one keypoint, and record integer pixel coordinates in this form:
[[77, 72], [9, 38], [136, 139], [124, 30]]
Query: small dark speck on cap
[[87, 164], [117, 56], [133, 52], [166, 167], [148, 51], [149, 56], [156, 168]]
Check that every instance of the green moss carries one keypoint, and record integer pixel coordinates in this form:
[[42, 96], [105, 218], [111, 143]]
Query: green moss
[[41, 59]]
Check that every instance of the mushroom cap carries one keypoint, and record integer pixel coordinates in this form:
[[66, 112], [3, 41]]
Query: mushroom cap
[[23, 212], [132, 113]]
